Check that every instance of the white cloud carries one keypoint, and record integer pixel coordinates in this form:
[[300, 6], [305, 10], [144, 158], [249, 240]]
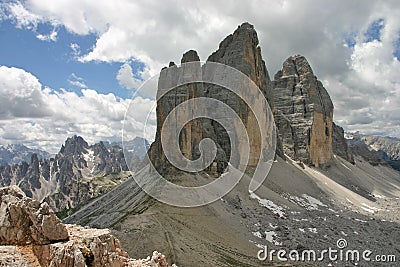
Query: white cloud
[[22, 16], [76, 50], [20, 94], [48, 37], [42, 117], [126, 78], [77, 81], [366, 97], [363, 80], [77, 84]]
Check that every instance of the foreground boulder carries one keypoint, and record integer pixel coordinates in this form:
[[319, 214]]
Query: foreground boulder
[[32, 235], [24, 220]]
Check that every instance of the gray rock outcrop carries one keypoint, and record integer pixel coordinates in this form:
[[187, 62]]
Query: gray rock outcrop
[[303, 113], [339, 143], [32, 235], [239, 50], [24, 220]]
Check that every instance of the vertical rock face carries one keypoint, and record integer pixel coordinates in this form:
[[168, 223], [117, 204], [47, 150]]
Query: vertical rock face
[[339, 144], [303, 113], [192, 132], [239, 50]]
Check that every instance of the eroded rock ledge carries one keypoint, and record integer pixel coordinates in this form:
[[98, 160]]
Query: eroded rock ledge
[[32, 235]]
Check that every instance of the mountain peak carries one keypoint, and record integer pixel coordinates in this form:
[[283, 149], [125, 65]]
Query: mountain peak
[[245, 26], [16, 153], [239, 50], [190, 56], [304, 113], [74, 145], [296, 65]]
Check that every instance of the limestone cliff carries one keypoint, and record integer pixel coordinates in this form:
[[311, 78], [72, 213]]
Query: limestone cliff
[[339, 143], [303, 113], [239, 50], [192, 132]]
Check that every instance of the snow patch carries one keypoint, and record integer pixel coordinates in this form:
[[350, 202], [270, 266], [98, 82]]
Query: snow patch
[[276, 209], [313, 230], [273, 226], [270, 236], [346, 166], [90, 159], [306, 201], [256, 244], [313, 201], [257, 234], [368, 208], [358, 220]]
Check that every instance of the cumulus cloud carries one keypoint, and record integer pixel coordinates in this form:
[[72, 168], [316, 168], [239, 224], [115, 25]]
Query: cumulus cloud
[[335, 36], [126, 78], [20, 94], [43, 117], [22, 16]]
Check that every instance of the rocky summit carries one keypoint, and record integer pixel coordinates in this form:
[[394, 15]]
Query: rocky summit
[[32, 235], [303, 110], [239, 50], [303, 113]]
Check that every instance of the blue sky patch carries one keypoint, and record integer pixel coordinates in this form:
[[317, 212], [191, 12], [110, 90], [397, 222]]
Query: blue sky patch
[[350, 39], [54, 62], [396, 51], [374, 30]]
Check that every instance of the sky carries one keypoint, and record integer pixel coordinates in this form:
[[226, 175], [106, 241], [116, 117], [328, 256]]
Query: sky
[[73, 66]]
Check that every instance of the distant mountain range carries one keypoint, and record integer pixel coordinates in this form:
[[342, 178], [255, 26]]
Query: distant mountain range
[[77, 173], [137, 146], [17, 153], [376, 149]]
